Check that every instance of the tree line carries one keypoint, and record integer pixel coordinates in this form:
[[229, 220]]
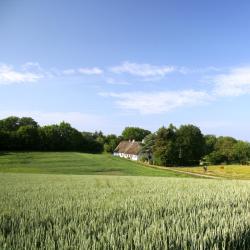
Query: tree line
[[187, 145], [168, 146], [25, 134]]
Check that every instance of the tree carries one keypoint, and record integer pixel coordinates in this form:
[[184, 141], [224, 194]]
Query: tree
[[164, 149], [190, 143], [99, 137], [210, 141], [225, 147], [4, 140], [147, 147], [242, 152], [27, 121], [10, 124], [135, 133], [61, 137], [50, 137], [111, 142], [27, 138]]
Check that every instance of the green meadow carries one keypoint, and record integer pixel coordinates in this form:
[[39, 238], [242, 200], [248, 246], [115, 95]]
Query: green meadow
[[75, 164]]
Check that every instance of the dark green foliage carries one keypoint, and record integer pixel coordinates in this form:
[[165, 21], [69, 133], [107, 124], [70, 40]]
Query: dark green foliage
[[183, 146], [25, 134], [27, 138], [135, 133], [165, 148], [4, 139], [242, 152], [223, 151], [210, 141], [147, 148], [190, 143], [225, 147], [10, 124], [110, 143], [170, 146], [228, 150], [27, 121], [13, 123]]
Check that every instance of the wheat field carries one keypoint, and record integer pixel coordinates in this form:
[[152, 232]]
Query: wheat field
[[110, 212]]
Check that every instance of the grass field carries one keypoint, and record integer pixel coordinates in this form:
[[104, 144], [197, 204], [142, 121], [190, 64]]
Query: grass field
[[71, 203], [75, 163], [122, 212], [225, 171]]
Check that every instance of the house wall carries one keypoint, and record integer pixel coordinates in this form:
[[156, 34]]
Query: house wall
[[127, 156]]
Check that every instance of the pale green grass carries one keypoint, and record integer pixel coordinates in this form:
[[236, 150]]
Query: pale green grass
[[104, 212]]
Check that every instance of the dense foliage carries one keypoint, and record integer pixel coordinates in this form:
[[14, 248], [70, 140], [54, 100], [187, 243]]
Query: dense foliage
[[175, 146], [187, 145], [84, 212], [25, 134], [168, 146], [134, 133]]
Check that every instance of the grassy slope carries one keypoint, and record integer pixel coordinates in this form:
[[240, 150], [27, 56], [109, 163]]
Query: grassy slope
[[75, 163], [226, 171]]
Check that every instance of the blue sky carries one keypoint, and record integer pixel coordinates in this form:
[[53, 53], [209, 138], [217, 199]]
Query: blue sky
[[104, 65]]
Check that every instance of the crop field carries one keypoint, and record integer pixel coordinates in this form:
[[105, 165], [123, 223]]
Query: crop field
[[40, 211], [75, 163], [225, 171]]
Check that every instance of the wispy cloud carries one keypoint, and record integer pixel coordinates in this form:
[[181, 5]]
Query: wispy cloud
[[158, 102], [83, 71], [187, 70], [114, 81], [33, 72], [9, 75], [142, 70], [69, 72], [91, 71], [234, 83]]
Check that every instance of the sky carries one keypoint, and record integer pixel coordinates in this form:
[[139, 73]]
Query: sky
[[104, 65]]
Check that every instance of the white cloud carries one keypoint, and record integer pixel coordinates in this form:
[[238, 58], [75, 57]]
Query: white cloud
[[113, 81], [8, 75], [32, 72], [90, 71], [187, 70], [235, 83], [83, 71], [158, 102], [32, 66], [69, 71], [142, 70]]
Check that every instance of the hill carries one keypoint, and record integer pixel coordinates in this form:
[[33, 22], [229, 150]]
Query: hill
[[75, 163]]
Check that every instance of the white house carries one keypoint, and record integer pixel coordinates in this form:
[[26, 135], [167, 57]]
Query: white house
[[128, 149]]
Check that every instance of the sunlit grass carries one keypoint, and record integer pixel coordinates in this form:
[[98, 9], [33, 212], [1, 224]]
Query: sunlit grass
[[102, 212], [75, 163], [226, 171]]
